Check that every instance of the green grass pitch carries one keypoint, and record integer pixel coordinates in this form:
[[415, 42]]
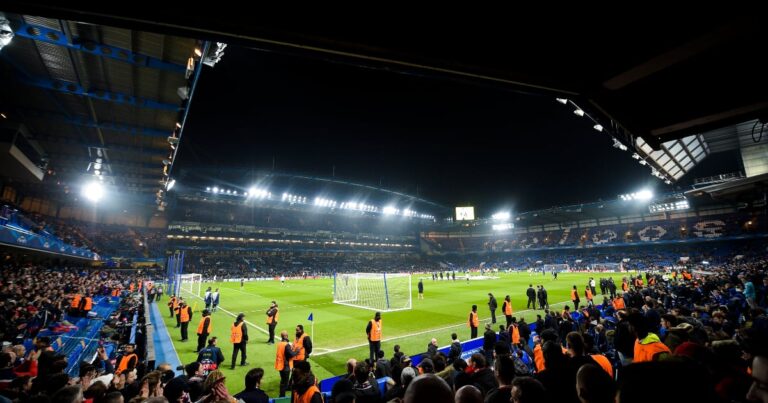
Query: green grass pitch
[[339, 331]]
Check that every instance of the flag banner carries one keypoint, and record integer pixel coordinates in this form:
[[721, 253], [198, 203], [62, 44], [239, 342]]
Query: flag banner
[[310, 317]]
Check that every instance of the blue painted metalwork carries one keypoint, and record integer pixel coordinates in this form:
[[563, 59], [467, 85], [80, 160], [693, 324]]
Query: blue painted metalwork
[[87, 122], [52, 36], [108, 96]]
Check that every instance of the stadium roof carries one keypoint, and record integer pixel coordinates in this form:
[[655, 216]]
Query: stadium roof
[[657, 75], [94, 100]]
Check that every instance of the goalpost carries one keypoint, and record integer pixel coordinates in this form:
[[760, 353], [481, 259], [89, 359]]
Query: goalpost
[[385, 292], [555, 267], [190, 283]]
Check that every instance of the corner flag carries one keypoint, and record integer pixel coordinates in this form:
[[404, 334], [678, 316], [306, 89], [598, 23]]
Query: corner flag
[[310, 317]]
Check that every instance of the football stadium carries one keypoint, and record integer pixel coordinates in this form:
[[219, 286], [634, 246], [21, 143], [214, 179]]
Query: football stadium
[[209, 208]]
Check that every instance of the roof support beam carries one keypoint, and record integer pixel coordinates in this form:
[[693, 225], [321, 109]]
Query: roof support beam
[[86, 122], [102, 95], [47, 35]]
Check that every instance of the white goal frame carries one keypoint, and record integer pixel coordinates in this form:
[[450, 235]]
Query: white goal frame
[[381, 292], [558, 267], [190, 283]]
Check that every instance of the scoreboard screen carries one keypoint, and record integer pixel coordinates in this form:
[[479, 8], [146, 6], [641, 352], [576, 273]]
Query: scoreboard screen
[[465, 213]]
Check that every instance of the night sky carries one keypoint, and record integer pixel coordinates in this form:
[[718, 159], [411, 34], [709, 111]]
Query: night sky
[[451, 142]]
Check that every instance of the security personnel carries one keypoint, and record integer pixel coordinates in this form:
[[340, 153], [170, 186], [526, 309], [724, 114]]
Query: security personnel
[[238, 335], [172, 303], [303, 388], [624, 285], [185, 315], [204, 329], [514, 331], [588, 295], [75, 304], [177, 311], [473, 322], [618, 302], [128, 361], [575, 298], [273, 315], [507, 308], [373, 330], [284, 361], [302, 345], [86, 304]]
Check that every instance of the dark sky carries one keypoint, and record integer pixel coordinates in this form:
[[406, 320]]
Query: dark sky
[[457, 143]]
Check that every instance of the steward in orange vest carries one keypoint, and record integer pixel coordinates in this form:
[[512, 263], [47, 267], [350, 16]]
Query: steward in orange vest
[[618, 303], [128, 361], [238, 335], [506, 307], [304, 389], [648, 346], [273, 315], [373, 330], [473, 322], [302, 345], [185, 315], [284, 361], [172, 304], [204, 329]]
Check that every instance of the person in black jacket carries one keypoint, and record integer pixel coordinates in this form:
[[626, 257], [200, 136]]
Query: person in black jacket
[[531, 293], [431, 348], [210, 357], [492, 305], [253, 392], [489, 339], [481, 376], [454, 352]]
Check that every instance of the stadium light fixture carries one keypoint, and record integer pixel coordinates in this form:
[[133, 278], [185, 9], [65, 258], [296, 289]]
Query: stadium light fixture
[[502, 215], [579, 112], [215, 189], [643, 162], [171, 184], [562, 100], [390, 210], [636, 156], [502, 227], [93, 191], [644, 194], [598, 127]]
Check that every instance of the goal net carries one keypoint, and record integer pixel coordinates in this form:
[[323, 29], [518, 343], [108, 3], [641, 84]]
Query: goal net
[[613, 267], [190, 283], [555, 267], [385, 292]]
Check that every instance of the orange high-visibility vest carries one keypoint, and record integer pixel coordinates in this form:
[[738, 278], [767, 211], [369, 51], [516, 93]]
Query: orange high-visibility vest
[[280, 357], [574, 295], [508, 308], [273, 319], [652, 281], [604, 363], [618, 303], [647, 352], [131, 287], [589, 294], [376, 330], [125, 360], [88, 304], [307, 396], [236, 333], [76, 301], [115, 292], [515, 334], [473, 320], [624, 286], [299, 344], [201, 326], [184, 314], [538, 358]]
